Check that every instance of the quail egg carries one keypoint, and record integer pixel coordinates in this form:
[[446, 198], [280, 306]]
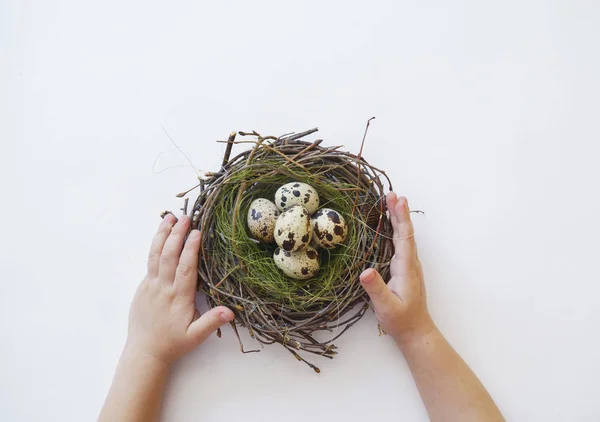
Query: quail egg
[[292, 229], [329, 228], [299, 265], [314, 243], [296, 193], [262, 216]]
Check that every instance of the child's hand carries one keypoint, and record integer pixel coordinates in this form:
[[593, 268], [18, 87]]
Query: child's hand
[[400, 305], [164, 323]]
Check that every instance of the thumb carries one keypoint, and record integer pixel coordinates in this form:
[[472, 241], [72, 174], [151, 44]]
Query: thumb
[[383, 299], [201, 328]]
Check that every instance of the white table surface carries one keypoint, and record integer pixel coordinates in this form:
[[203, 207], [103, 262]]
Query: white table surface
[[487, 119]]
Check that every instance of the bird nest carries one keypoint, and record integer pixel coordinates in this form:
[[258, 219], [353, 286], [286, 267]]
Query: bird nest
[[304, 316]]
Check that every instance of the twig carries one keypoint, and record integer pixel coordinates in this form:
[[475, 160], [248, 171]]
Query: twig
[[230, 142], [185, 206], [359, 158]]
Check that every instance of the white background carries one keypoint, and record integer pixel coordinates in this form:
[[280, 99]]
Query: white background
[[487, 119]]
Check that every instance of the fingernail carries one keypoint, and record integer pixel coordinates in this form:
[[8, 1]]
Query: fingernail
[[390, 197], [368, 276], [225, 316], [404, 203], [195, 234]]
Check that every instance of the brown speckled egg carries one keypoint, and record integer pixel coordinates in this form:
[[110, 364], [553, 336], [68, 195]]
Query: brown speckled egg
[[262, 216], [314, 243], [329, 228], [299, 265], [296, 193], [292, 229]]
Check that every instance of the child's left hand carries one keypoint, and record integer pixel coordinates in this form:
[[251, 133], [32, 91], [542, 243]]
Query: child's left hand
[[164, 323]]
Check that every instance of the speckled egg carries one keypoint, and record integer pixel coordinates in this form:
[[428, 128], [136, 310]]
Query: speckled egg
[[329, 228], [262, 216], [292, 229], [314, 243], [299, 265], [296, 193]]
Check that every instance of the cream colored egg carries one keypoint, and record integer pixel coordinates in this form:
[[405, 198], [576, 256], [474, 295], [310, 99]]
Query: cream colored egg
[[292, 229], [297, 193], [262, 216], [299, 265], [329, 228], [314, 243]]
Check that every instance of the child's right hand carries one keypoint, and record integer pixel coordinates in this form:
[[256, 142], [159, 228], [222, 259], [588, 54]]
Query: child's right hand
[[164, 323], [400, 305]]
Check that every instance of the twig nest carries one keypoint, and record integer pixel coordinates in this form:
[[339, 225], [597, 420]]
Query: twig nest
[[329, 228], [292, 229], [237, 271], [262, 216], [299, 265], [297, 193]]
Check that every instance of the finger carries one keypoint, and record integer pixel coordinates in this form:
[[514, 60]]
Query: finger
[[404, 232], [164, 229], [390, 201], [169, 259], [383, 299], [200, 329], [186, 274]]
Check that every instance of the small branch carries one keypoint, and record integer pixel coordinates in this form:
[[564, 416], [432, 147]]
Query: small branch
[[362, 144], [359, 159], [308, 148], [253, 133], [299, 135], [227, 154], [182, 194], [185, 206], [235, 330]]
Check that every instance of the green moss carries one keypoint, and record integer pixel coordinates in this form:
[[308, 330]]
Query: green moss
[[255, 264]]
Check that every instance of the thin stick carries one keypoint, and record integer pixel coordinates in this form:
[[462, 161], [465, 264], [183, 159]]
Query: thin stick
[[182, 194], [179, 149], [228, 149], [300, 135], [362, 145]]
